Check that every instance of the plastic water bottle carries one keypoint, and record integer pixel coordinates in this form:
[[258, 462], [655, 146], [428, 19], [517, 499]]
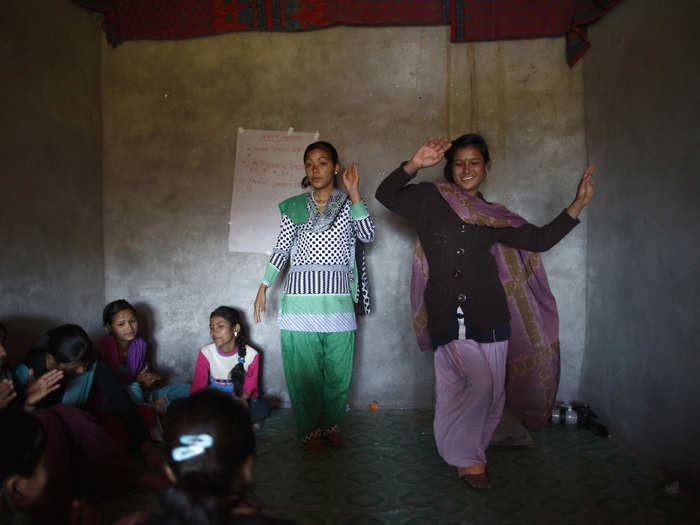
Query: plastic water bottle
[[564, 414], [556, 418]]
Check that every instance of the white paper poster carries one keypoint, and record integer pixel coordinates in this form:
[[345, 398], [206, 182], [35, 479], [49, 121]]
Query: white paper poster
[[269, 168]]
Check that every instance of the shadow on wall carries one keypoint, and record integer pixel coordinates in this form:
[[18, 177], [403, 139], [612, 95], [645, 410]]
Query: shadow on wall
[[23, 333], [147, 326]]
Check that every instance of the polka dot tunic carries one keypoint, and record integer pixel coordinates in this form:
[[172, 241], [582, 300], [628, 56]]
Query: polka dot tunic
[[317, 292]]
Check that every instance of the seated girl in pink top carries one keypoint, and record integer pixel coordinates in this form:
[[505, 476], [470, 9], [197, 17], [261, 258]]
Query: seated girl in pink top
[[228, 365]]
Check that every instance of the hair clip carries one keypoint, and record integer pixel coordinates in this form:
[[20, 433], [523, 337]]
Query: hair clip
[[241, 359], [194, 446]]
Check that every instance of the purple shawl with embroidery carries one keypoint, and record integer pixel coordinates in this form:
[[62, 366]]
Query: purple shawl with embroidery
[[532, 375], [136, 361]]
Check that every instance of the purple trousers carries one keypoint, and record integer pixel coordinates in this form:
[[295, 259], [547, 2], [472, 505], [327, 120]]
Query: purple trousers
[[469, 398]]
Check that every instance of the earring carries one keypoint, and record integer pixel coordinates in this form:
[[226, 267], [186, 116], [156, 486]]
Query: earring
[[235, 334]]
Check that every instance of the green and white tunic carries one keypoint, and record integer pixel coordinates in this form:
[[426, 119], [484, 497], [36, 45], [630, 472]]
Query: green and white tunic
[[321, 285]]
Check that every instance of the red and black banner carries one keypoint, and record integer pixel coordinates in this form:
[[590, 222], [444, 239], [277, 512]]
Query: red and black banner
[[471, 20]]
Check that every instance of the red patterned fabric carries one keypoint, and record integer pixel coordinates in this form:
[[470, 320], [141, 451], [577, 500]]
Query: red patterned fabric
[[509, 19], [173, 19], [470, 19]]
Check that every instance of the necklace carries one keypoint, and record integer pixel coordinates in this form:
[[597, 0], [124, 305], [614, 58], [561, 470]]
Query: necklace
[[320, 204]]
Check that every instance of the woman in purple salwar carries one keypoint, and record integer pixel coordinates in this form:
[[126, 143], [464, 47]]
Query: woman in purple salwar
[[477, 289]]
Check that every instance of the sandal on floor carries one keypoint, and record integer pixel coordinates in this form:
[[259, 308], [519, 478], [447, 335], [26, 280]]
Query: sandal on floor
[[335, 440], [332, 434], [313, 443], [315, 446], [477, 481]]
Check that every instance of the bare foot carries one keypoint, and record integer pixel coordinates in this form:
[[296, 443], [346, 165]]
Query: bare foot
[[475, 476]]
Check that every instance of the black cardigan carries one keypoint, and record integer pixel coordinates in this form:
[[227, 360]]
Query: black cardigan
[[462, 271]]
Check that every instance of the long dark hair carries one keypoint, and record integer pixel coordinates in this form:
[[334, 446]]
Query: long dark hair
[[67, 343], [205, 475], [237, 375], [328, 148], [470, 139]]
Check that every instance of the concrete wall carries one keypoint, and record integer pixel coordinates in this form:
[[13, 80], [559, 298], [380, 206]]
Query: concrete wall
[[52, 264], [171, 111], [642, 114]]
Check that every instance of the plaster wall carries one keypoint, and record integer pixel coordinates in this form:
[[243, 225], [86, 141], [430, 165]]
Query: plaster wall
[[52, 266], [171, 111], [642, 113]]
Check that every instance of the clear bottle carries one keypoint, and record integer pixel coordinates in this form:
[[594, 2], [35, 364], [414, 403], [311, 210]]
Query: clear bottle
[[571, 416], [555, 415]]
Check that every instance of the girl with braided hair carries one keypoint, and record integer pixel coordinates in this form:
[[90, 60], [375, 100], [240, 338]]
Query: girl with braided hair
[[228, 364]]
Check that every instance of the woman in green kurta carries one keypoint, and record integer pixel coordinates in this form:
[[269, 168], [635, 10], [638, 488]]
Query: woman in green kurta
[[318, 237]]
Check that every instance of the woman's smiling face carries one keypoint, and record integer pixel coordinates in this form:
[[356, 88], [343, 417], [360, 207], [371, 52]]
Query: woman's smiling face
[[468, 169]]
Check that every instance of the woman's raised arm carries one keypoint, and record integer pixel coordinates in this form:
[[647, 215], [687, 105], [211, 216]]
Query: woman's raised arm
[[429, 154], [584, 193], [396, 193]]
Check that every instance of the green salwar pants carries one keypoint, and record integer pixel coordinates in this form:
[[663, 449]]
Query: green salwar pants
[[317, 368]]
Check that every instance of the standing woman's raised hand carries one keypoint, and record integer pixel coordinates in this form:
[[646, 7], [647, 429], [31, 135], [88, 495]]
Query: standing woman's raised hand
[[351, 179], [429, 154], [584, 193]]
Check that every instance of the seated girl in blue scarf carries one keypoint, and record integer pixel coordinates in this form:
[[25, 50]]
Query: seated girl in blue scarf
[[35, 390], [88, 382]]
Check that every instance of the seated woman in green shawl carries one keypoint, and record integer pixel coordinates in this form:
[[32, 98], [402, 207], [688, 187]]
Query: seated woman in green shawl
[[88, 382]]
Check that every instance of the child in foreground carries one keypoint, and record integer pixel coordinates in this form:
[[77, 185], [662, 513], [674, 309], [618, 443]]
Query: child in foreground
[[210, 449]]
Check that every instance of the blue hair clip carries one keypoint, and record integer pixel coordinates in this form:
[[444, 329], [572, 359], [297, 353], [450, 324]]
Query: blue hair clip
[[194, 446], [241, 359]]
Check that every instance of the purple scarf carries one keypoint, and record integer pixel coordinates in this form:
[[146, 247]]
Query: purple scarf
[[532, 375], [136, 360]]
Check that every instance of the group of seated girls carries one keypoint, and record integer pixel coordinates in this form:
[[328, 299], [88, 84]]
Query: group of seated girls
[[80, 423]]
